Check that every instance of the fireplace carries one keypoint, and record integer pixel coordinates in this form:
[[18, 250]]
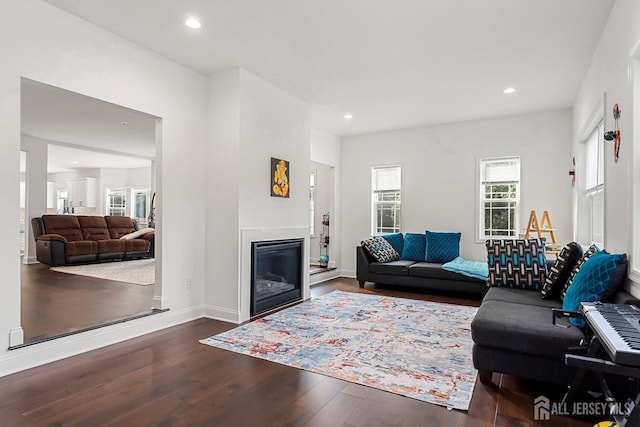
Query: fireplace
[[276, 274]]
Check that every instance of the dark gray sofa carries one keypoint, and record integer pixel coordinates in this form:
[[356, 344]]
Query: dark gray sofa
[[514, 334], [423, 275]]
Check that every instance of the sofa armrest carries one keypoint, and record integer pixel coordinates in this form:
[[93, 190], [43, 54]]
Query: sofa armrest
[[148, 236], [52, 237]]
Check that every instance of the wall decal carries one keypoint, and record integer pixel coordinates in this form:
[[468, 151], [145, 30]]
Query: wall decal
[[279, 178]]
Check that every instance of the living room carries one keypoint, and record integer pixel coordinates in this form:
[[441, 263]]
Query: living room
[[219, 130]]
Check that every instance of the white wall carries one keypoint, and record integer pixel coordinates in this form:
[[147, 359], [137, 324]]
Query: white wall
[[611, 73], [250, 121], [439, 176], [326, 149], [36, 190], [324, 203], [61, 50]]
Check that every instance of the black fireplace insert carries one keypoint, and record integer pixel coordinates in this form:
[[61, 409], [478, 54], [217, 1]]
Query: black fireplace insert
[[276, 274]]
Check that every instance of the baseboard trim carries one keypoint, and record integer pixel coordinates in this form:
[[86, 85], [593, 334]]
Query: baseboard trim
[[351, 274], [222, 314], [323, 277], [39, 354]]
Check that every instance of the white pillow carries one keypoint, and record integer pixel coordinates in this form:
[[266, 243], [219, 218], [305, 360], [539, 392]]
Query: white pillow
[[137, 233]]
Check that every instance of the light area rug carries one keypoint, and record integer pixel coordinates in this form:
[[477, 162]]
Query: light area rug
[[139, 272], [417, 349]]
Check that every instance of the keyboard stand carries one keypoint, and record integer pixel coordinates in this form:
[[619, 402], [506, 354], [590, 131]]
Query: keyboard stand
[[599, 367]]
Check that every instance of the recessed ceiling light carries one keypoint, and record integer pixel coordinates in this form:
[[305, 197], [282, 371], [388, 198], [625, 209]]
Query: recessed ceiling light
[[192, 23], [125, 123], [348, 116], [75, 162], [509, 91]]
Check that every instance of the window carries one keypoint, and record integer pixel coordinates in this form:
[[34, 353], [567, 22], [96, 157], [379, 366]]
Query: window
[[140, 209], [594, 183], [312, 203], [386, 198], [499, 197], [116, 201]]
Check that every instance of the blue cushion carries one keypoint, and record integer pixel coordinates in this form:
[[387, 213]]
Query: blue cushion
[[590, 282], [442, 247], [414, 247], [395, 240]]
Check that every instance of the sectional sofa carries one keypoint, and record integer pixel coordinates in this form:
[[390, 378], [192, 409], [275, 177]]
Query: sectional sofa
[[80, 239], [523, 328]]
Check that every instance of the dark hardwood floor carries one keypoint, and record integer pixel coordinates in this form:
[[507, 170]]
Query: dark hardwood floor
[[168, 378], [54, 303]]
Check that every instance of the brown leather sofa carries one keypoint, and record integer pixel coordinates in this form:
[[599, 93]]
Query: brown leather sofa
[[81, 239]]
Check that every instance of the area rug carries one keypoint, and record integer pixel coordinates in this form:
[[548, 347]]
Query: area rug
[[139, 272], [417, 349]]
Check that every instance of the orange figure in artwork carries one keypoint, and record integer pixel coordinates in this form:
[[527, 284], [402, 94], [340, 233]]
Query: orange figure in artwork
[[280, 180]]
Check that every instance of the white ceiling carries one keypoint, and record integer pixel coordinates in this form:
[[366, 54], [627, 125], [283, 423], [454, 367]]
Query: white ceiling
[[86, 132], [391, 63]]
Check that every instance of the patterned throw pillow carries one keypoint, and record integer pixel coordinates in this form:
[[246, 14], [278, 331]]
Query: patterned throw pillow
[[517, 263], [414, 247], [588, 254], [380, 249], [561, 270], [591, 281], [395, 240], [442, 247]]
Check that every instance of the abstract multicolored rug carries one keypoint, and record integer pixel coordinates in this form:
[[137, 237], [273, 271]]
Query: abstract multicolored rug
[[417, 349]]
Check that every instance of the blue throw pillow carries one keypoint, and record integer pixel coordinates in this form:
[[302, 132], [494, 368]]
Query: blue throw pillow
[[395, 240], [442, 247], [414, 247], [591, 281]]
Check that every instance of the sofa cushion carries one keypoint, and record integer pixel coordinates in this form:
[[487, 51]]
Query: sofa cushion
[[93, 227], [434, 270], [593, 278], [523, 328], [136, 245], [561, 270], [115, 246], [414, 247], [517, 263], [442, 247], [398, 268], [66, 226], [396, 240], [119, 226], [380, 249], [81, 247], [520, 296], [587, 254]]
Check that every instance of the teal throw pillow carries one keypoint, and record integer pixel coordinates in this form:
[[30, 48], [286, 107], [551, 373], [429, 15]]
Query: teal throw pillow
[[442, 247], [396, 240], [414, 247], [591, 281]]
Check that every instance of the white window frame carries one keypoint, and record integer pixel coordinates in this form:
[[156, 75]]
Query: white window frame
[[594, 183], [146, 193], [112, 209], [312, 203], [394, 202], [488, 197]]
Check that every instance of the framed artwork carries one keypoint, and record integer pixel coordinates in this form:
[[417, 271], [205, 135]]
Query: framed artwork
[[279, 178]]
